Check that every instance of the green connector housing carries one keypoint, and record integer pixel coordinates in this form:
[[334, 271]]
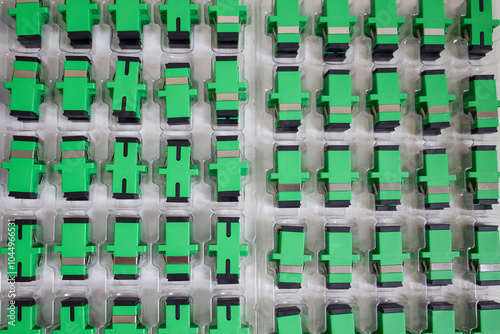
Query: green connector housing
[[30, 18], [338, 176], [336, 100], [385, 100], [288, 320], [77, 88], [390, 319], [290, 254], [228, 17], [228, 250], [179, 16], [227, 91], [178, 317], [127, 168], [433, 102], [436, 258], [430, 26], [76, 249], [383, 26], [80, 17], [484, 257], [178, 93], [386, 178], [126, 248], [126, 314], [76, 168], [27, 91], [335, 26], [488, 317], [129, 17], [434, 179], [24, 312], [26, 252], [178, 248], [482, 179], [387, 259], [287, 99], [25, 170], [477, 27], [229, 317], [289, 176], [339, 319], [441, 319], [74, 317], [228, 168], [127, 90], [481, 103], [286, 25], [178, 171], [338, 257]]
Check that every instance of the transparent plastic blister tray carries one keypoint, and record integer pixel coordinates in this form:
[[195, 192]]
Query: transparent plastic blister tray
[[259, 216]]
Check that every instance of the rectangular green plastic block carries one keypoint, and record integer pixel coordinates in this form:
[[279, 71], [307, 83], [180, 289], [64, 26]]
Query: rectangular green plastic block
[[76, 168], [124, 310], [26, 251], [126, 168], [484, 257], [433, 102], [228, 250], [338, 257], [385, 100], [129, 17], [25, 316], [126, 248], [179, 16], [287, 98], [25, 170], [441, 319], [228, 17], [289, 176], [339, 319], [288, 320], [27, 91], [488, 317], [434, 179], [178, 171], [482, 179], [228, 312], [178, 317], [436, 258], [383, 26], [178, 93], [30, 18], [386, 177], [477, 27], [290, 255], [77, 88], [227, 91], [178, 248], [335, 26], [387, 259], [80, 17], [74, 317], [127, 90], [75, 248], [430, 26], [390, 319], [338, 176], [287, 25], [336, 100], [228, 168], [481, 103]]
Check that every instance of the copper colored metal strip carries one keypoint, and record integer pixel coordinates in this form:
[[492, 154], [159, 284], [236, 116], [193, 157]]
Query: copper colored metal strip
[[438, 190], [487, 186], [390, 186], [22, 154], [288, 30], [438, 109], [340, 110], [227, 97], [228, 19], [338, 30], [398, 268], [26, 1], [73, 154], [75, 73], [176, 81], [290, 106], [124, 319], [339, 187], [228, 154], [73, 261], [291, 269], [125, 260], [288, 187], [340, 269], [24, 74], [486, 114], [389, 108], [177, 259]]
